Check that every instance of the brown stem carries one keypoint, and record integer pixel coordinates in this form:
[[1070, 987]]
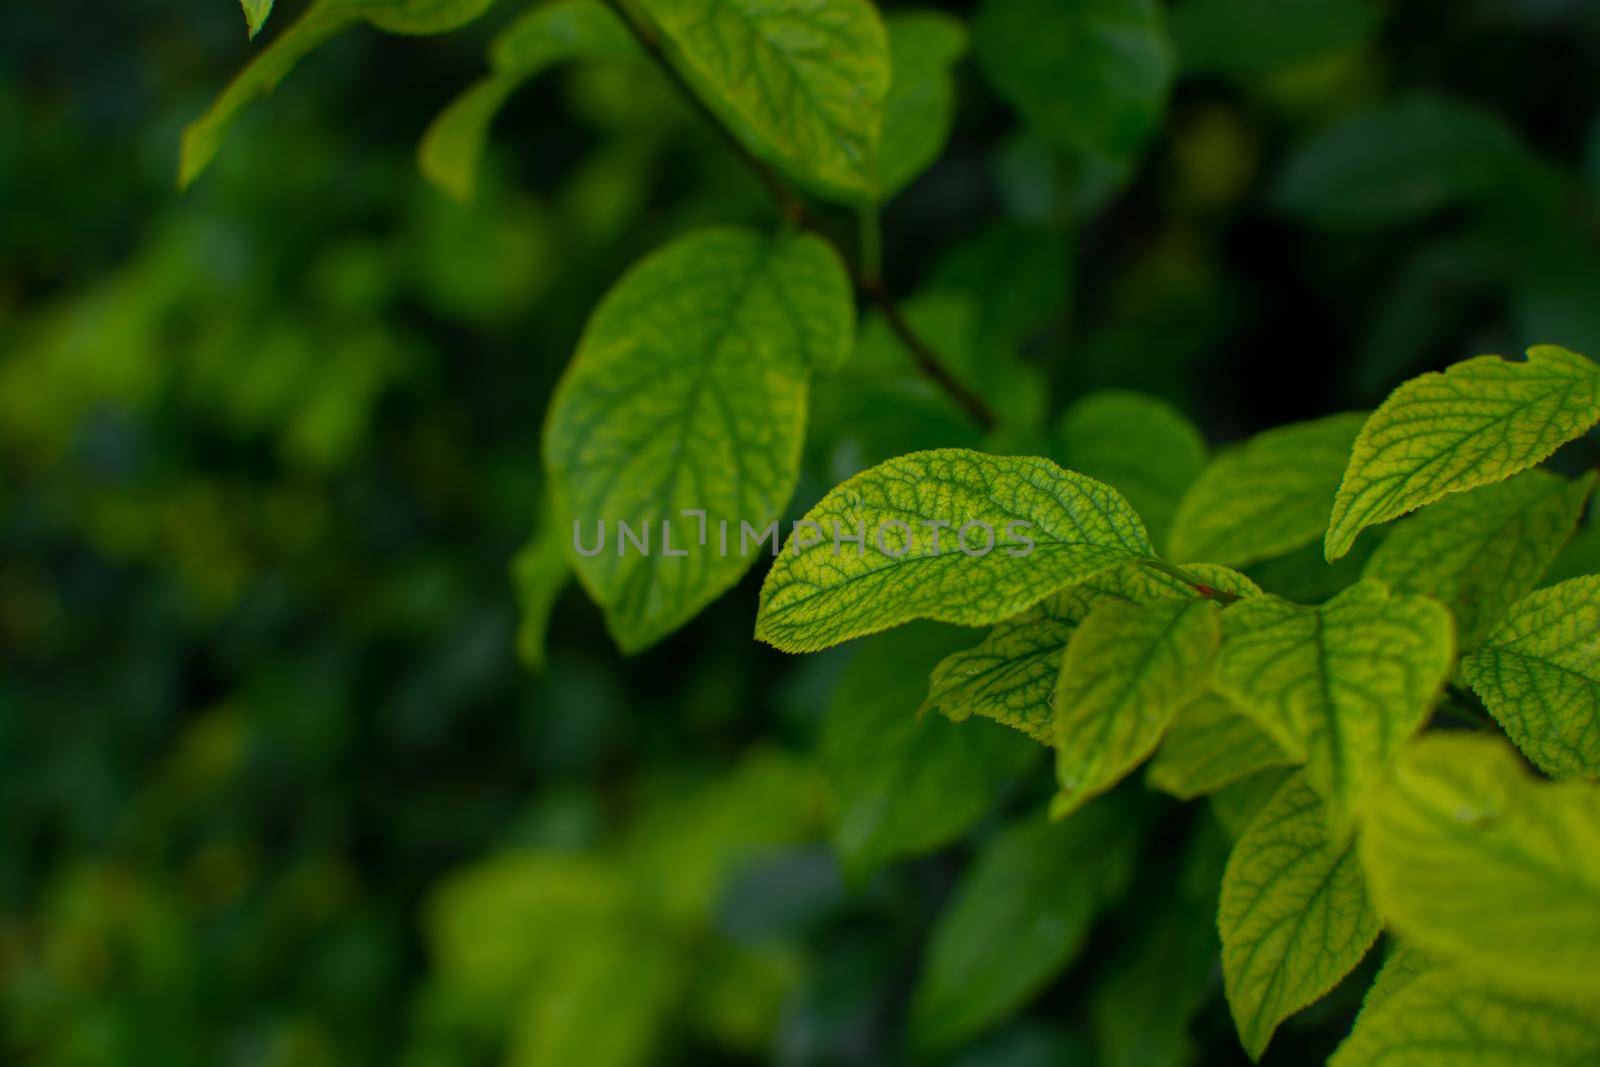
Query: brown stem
[[793, 207]]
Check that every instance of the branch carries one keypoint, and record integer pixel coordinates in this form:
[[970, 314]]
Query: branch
[[793, 208]]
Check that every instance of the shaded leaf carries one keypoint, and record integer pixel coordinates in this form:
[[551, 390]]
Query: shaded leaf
[[920, 107], [1211, 743], [1254, 36]]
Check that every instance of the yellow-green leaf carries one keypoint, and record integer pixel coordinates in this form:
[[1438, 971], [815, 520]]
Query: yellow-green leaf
[[1481, 864], [920, 107], [1342, 684], [1011, 675], [1539, 674], [682, 416], [1127, 668], [452, 148], [1480, 551], [1211, 743], [952, 535], [801, 81], [1478, 422], [1267, 496], [1294, 916], [255, 14], [1448, 1018]]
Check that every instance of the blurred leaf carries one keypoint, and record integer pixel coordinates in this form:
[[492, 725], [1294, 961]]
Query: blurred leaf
[[920, 107], [1211, 743], [1253, 36], [539, 573]]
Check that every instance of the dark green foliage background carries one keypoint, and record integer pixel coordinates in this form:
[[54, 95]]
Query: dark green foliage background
[[267, 450]]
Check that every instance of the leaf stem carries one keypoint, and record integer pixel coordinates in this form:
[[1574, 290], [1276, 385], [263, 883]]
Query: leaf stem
[[867, 278], [1172, 570]]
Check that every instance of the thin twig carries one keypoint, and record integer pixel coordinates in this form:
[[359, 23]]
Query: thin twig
[[793, 207], [1172, 570]]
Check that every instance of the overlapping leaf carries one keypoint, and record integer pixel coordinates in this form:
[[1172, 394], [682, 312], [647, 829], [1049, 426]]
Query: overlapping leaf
[[1539, 673], [802, 81], [1050, 528], [1266, 497], [1478, 422], [1479, 863], [688, 395], [1011, 675], [1127, 668], [453, 146], [1211, 743], [920, 107], [1294, 916], [1481, 551], [538, 574], [1343, 684], [1256, 36]]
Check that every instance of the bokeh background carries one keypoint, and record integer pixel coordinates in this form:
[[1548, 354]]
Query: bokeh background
[[286, 775]]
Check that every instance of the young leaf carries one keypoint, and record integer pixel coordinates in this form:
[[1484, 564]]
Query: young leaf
[[1140, 445], [1343, 684], [1539, 674], [1478, 422], [1479, 863], [1011, 675], [688, 396], [255, 14], [1447, 1018], [452, 148], [1211, 743], [802, 81], [1127, 668], [907, 784], [1481, 551], [1019, 916], [1294, 916], [1030, 528], [1266, 497], [920, 107], [1089, 77]]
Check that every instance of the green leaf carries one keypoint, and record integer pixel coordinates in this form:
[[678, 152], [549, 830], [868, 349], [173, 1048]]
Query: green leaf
[[1127, 668], [538, 574], [688, 394], [1479, 863], [1478, 422], [1089, 77], [1255, 36], [1294, 916], [920, 107], [452, 148], [1446, 1018], [1481, 551], [1539, 674], [1343, 684], [255, 14], [802, 82], [1405, 964], [910, 512], [1139, 445], [1019, 916], [907, 784], [322, 21], [1211, 743], [1400, 162], [1237, 803], [1266, 497], [1011, 676]]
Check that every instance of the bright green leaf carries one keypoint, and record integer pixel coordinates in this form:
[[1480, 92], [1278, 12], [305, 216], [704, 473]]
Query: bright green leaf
[[1011, 675], [1478, 862], [803, 81], [1446, 1018], [1481, 551], [452, 148], [920, 107], [907, 784], [1294, 916], [1089, 77], [1021, 913], [1139, 445], [1254, 36], [1211, 743], [916, 562], [1344, 683], [1127, 669], [255, 14], [688, 394], [1478, 422], [1539, 674], [1267, 496]]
